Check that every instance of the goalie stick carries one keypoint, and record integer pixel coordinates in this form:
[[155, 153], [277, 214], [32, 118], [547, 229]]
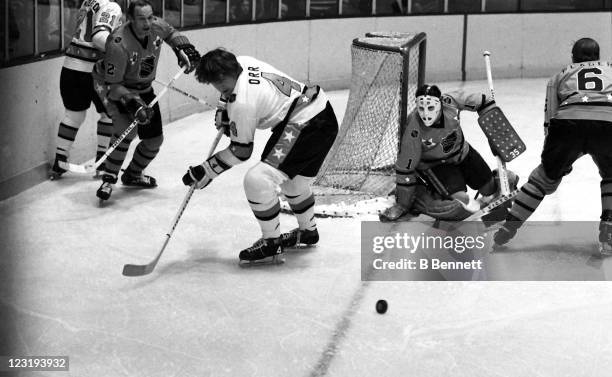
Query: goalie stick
[[145, 269], [90, 168], [492, 205], [500, 133]]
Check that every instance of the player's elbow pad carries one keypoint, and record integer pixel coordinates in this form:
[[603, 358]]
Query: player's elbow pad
[[99, 39], [227, 159], [242, 151]]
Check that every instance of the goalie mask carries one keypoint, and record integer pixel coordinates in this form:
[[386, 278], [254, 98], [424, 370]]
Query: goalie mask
[[428, 104]]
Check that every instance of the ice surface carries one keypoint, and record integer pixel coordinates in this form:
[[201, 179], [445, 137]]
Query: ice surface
[[200, 314]]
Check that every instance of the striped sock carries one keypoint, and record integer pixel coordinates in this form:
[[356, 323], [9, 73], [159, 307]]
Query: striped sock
[[528, 199], [104, 132], [303, 207], [267, 215], [606, 194]]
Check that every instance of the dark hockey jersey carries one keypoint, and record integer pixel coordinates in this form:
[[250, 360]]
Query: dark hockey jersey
[[444, 143], [580, 91], [130, 62]]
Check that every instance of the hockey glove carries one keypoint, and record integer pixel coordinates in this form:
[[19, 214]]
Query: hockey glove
[[137, 108], [188, 56], [201, 175]]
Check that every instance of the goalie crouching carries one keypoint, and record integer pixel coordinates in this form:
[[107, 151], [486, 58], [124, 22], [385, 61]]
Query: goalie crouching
[[435, 163]]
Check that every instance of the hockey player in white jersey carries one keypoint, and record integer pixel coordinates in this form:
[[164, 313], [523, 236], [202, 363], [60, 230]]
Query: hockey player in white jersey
[[95, 21], [304, 128]]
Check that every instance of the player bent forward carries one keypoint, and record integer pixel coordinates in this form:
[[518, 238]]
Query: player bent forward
[[577, 121], [435, 163], [123, 79], [304, 128]]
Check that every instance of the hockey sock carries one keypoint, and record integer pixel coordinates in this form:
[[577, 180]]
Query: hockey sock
[[303, 207], [115, 160], [65, 138], [145, 152], [606, 194], [105, 131], [267, 215], [528, 199]]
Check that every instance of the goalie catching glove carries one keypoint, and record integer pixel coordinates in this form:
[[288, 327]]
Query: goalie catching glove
[[137, 108], [188, 56], [202, 175]]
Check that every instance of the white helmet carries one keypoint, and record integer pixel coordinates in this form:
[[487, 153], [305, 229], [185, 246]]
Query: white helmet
[[428, 104]]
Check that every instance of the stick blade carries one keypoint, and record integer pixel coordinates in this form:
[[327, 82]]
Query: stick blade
[[86, 168], [137, 270]]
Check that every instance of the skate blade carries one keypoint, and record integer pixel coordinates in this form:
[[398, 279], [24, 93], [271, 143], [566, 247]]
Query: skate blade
[[272, 260], [301, 246]]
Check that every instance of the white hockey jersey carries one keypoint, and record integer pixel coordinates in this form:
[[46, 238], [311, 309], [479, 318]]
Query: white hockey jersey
[[263, 96], [94, 16]]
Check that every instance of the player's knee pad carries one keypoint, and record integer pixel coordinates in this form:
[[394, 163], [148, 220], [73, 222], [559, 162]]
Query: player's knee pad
[[154, 143], [74, 118], [298, 193], [299, 185], [261, 181], [539, 179]]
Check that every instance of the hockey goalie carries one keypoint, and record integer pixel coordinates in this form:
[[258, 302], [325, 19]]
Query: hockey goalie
[[436, 165]]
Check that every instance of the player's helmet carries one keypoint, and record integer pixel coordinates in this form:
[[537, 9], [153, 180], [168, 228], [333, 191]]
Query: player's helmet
[[584, 50], [428, 104]]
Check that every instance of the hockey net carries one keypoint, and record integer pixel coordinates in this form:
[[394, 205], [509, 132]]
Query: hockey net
[[358, 174]]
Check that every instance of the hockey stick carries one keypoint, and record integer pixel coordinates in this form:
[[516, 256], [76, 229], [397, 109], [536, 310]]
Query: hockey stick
[[491, 206], [501, 165], [189, 95], [144, 269], [87, 168]]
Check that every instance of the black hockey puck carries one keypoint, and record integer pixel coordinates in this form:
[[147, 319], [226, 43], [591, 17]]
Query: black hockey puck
[[381, 306]]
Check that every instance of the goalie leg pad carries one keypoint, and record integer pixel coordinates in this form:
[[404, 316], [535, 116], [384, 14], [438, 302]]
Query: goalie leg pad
[[440, 209], [260, 184]]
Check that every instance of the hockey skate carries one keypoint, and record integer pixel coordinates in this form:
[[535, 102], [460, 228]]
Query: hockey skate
[[264, 251], [138, 181], [605, 234], [105, 190], [507, 231], [56, 171], [299, 238]]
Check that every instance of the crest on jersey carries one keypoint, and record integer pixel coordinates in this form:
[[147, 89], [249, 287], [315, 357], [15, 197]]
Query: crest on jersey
[[134, 58], [428, 143], [158, 41], [147, 65], [449, 142]]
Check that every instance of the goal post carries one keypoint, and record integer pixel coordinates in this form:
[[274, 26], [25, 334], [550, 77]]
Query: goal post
[[387, 69]]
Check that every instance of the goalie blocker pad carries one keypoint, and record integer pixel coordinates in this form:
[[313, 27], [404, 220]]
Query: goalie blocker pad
[[503, 139]]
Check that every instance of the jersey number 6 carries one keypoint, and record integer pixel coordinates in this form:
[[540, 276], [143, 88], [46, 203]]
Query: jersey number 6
[[591, 82]]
